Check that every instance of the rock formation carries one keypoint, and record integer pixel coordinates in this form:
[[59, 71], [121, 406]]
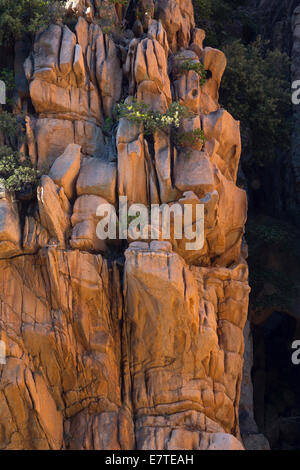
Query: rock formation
[[123, 344]]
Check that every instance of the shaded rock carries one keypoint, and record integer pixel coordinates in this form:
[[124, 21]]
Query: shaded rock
[[55, 210], [177, 19], [215, 62], [35, 236], [67, 51], [65, 170], [255, 442], [221, 126], [186, 83], [108, 66], [81, 8], [45, 53], [98, 177], [10, 230], [136, 178], [78, 66], [198, 36], [84, 221], [163, 166], [53, 135], [157, 32], [220, 441], [232, 221], [151, 75], [194, 173]]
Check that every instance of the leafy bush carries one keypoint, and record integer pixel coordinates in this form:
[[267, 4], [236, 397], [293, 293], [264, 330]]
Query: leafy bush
[[152, 121], [23, 178], [256, 90], [8, 161], [197, 67], [12, 127], [189, 139], [16, 171], [27, 16], [7, 76], [106, 16]]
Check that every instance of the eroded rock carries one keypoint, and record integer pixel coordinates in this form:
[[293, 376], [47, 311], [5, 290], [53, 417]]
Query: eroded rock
[[134, 343]]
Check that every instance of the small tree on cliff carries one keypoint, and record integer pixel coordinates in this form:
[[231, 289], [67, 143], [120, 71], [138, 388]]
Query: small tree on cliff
[[255, 89], [26, 16]]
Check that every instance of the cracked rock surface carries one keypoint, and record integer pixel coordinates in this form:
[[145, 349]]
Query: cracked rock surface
[[126, 344]]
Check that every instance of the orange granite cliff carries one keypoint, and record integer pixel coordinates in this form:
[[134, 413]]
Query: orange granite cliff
[[123, 344]]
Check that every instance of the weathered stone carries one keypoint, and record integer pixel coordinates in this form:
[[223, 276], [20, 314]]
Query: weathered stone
[[53, 135], [76, 103], [84, 221], [220, 441], [35, 236], [98, 177], [82, 32], [55, 210], [10, 231], [129, 66], [65, 170], [67, 51], [157, 32], [45, 53], [151, 75], [177, 19], [163, 167], [78, 66], [107, 66], [214, 61], [194, 173], [135, 169], [221, 126], [42, 385], [144, 349], [186, 83], [164, 358], [198, 36]]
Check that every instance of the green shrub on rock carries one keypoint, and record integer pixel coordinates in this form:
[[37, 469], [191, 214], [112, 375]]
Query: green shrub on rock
[[141, 113], [27, 16], [16, 171], [197, 67], [190, 139], [12, 127]]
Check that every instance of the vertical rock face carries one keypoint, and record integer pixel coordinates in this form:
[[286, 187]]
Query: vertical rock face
[[123, 344]]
